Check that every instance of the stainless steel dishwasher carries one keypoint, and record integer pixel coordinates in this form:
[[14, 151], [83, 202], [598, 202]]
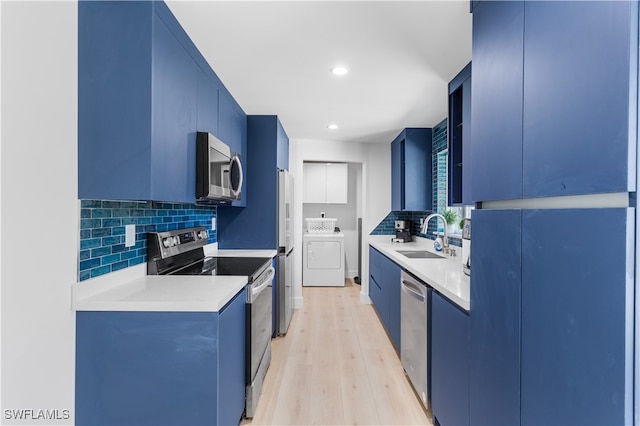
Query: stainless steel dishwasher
[[414, 327]]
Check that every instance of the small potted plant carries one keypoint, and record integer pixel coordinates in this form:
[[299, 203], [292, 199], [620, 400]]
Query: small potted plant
[[452, 221]]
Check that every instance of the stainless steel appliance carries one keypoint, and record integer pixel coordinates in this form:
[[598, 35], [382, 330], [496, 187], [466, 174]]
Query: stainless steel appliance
[[218, 171], [415, 298], [181, 252], [284, 287], [403, 231], [466, 247]]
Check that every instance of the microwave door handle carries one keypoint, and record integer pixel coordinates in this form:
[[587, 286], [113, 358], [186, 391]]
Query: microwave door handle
[[236, 159]]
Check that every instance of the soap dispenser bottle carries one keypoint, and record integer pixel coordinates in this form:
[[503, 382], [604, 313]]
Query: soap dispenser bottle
[[437, 244]]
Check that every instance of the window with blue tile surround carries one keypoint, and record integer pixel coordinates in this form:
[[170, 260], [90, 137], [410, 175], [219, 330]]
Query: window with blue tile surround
[[102, 231], [386, 227]]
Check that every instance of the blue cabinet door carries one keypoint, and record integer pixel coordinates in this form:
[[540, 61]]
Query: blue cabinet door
[[231, 367], [376, 287], [577, 317], [411, 170], [207, 104], [494, 396], [391, 285], [449, 362], [232, 130], [175, 103], [579, 102], [114, 100], [146, 368], [255, 226], [418, 160], [496, 100], [397, 173]]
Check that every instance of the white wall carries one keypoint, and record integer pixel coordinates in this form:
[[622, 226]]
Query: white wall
[[375, 198], [39, 221]]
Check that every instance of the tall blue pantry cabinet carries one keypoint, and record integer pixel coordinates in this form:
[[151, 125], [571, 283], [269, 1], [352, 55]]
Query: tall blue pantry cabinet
[[554, 114], [256, 225]]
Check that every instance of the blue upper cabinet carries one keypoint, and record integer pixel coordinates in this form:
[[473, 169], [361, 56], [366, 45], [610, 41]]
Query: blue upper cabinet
[[255, 226], [459, 173], [114, 100], [577, 317], [232, 130], [580, 85], [207, 103], [144, 90], [496, 286], [554, 99], [174, 118], [411, 170], [496, 100]]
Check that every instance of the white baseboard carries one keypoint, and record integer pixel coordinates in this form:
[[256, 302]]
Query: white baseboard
[[298, 302], [364, 298]]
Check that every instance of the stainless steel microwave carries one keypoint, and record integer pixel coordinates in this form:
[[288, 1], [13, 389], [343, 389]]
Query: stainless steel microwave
[[218, 171]]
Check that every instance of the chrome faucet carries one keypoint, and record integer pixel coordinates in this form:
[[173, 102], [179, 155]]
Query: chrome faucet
[[425, 225]]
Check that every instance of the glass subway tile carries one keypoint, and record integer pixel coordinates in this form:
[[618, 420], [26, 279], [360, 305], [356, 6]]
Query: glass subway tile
[[100, 270], [107, 223], [120, 265]]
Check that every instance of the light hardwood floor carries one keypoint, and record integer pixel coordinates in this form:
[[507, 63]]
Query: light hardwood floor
[[336, 366]]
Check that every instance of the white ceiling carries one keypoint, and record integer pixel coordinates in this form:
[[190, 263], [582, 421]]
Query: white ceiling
[[275, 58]]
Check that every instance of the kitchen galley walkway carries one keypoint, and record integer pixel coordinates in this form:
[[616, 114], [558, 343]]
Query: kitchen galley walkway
[[336, 366]]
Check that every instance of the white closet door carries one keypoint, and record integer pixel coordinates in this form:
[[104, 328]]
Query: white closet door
[[337, 183], [315, 183]]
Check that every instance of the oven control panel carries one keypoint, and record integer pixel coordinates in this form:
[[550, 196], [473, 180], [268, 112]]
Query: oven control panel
[[170, 243]]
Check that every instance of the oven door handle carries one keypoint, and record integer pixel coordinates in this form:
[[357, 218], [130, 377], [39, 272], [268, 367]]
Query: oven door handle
[[269, 276]]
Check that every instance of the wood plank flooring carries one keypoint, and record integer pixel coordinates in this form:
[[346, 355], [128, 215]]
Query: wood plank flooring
[[336, 366]]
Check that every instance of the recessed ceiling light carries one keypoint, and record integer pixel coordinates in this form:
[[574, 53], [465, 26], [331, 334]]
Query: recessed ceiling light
[[339, 70], [332, 126]]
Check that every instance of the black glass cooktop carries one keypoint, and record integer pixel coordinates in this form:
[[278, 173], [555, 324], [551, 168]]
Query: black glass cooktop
[[249, 266]]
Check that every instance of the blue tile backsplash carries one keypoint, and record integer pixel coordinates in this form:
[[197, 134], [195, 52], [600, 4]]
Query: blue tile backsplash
[[102, 231]]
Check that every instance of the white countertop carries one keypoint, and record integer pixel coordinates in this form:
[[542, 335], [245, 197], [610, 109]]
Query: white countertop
[[444, 275], [131, 289]]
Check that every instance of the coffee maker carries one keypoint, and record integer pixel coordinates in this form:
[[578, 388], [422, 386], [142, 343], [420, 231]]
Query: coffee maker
[[403, 231]]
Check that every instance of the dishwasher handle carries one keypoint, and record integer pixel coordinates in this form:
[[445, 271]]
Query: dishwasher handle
[[414, 290]]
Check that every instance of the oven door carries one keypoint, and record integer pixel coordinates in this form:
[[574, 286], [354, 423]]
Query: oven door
[[259, 331]]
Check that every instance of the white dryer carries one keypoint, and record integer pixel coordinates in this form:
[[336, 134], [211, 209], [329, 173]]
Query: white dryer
[[323, 259]]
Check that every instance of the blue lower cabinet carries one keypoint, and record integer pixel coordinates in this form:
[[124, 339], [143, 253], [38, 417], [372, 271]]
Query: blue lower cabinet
[[577, 317], [449, 362], [494, 383], [160, 368], [391, 273], [384, 292], [232, 366]]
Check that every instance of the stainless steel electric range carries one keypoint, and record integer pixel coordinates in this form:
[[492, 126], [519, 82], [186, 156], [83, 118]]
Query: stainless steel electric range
[[181, 252]]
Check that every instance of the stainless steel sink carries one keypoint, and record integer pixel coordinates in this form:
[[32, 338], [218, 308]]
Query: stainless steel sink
[[419, 254]]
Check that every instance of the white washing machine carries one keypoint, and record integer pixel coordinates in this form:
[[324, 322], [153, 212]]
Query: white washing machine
[[323, 260]]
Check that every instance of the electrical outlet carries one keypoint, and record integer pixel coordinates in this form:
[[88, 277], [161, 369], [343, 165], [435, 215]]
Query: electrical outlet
[[130, 236], [213, 223]]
